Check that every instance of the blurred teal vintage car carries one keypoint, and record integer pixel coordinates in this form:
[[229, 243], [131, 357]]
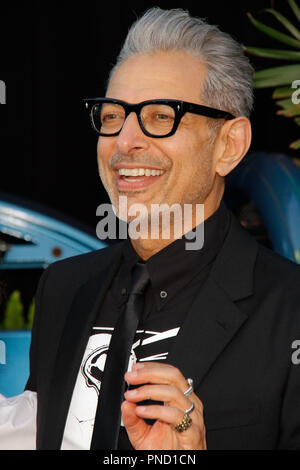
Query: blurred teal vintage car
[[30, 240], [272, 184]]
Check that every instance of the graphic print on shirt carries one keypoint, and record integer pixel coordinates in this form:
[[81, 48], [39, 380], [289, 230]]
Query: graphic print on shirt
[[79, 426], [92, 367]]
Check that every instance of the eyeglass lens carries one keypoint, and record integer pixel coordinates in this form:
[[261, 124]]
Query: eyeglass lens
[[157, 119]]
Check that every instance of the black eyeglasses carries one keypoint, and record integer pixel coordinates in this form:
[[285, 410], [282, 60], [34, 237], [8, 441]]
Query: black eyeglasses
[[157, 118]]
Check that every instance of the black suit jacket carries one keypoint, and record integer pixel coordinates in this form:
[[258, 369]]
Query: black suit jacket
[[236, 342]]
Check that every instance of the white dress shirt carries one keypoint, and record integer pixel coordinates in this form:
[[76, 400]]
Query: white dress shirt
[[18, 421]]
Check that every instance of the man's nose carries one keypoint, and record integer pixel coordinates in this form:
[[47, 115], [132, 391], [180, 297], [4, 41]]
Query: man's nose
[[131, 137]]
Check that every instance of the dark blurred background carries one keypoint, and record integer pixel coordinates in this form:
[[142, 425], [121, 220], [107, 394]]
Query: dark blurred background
[[53, 54]]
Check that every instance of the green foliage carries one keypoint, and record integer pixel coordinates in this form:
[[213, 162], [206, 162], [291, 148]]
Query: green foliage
[[30, 314], [13, 313], [285, 74], [14, 317]]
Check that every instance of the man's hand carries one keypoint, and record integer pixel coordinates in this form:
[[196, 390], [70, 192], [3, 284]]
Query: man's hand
[[165, 383]]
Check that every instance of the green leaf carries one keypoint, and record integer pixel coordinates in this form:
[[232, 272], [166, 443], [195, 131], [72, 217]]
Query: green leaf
[[287, 103], [283, 92], [289, 111], [276, 76], [297, 121], [285, 22], [295, 145], [274, 33], [295, 8], [30, 314], [13, 313], [282, 54]]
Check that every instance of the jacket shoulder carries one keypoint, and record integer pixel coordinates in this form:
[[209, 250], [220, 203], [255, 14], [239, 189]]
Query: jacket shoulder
[[80, 268], [276, 266]]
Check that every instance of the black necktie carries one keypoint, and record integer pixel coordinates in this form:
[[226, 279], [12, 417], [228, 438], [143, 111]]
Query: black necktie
[[108, 414]]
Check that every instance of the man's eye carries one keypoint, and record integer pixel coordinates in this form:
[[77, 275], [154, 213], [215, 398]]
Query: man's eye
[[109, 117], [163, 117]]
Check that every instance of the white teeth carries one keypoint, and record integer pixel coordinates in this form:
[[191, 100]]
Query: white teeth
[[139, 172]]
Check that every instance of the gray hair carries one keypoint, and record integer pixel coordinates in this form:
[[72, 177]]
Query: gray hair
[[228, 84]]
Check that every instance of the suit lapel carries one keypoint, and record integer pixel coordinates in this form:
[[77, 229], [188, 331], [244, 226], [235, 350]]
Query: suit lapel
[[211, 323], [78, 325], [214, 318]]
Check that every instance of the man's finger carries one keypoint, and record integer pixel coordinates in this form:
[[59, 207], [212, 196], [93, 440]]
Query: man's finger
[[135, 426], [166, 414], [156, 373], [164, 393]]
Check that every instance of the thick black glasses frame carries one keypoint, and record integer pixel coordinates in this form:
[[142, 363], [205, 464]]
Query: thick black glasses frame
[[179, 107]]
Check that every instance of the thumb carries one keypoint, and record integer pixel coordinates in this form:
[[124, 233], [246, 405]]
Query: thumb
[[135, 426]]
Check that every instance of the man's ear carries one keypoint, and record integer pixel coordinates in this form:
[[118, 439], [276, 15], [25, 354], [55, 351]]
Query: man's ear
[[234, 141]]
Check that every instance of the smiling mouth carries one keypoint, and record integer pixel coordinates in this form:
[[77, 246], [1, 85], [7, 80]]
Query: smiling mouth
[[130, 174], [138, 177]]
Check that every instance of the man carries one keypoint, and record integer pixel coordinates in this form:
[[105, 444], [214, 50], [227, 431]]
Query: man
[[173, 124]]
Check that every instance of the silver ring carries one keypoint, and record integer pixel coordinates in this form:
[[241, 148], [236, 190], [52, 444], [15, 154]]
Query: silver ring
[[190, 390], [187, 412]]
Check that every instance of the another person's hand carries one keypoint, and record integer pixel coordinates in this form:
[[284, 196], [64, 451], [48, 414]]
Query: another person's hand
[[164, 383]]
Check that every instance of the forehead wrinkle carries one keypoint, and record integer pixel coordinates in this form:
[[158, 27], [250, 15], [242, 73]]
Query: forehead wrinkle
[[158, 90], [160, 75]]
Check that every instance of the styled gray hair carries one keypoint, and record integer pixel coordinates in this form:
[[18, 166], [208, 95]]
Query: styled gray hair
[[228, 83]]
